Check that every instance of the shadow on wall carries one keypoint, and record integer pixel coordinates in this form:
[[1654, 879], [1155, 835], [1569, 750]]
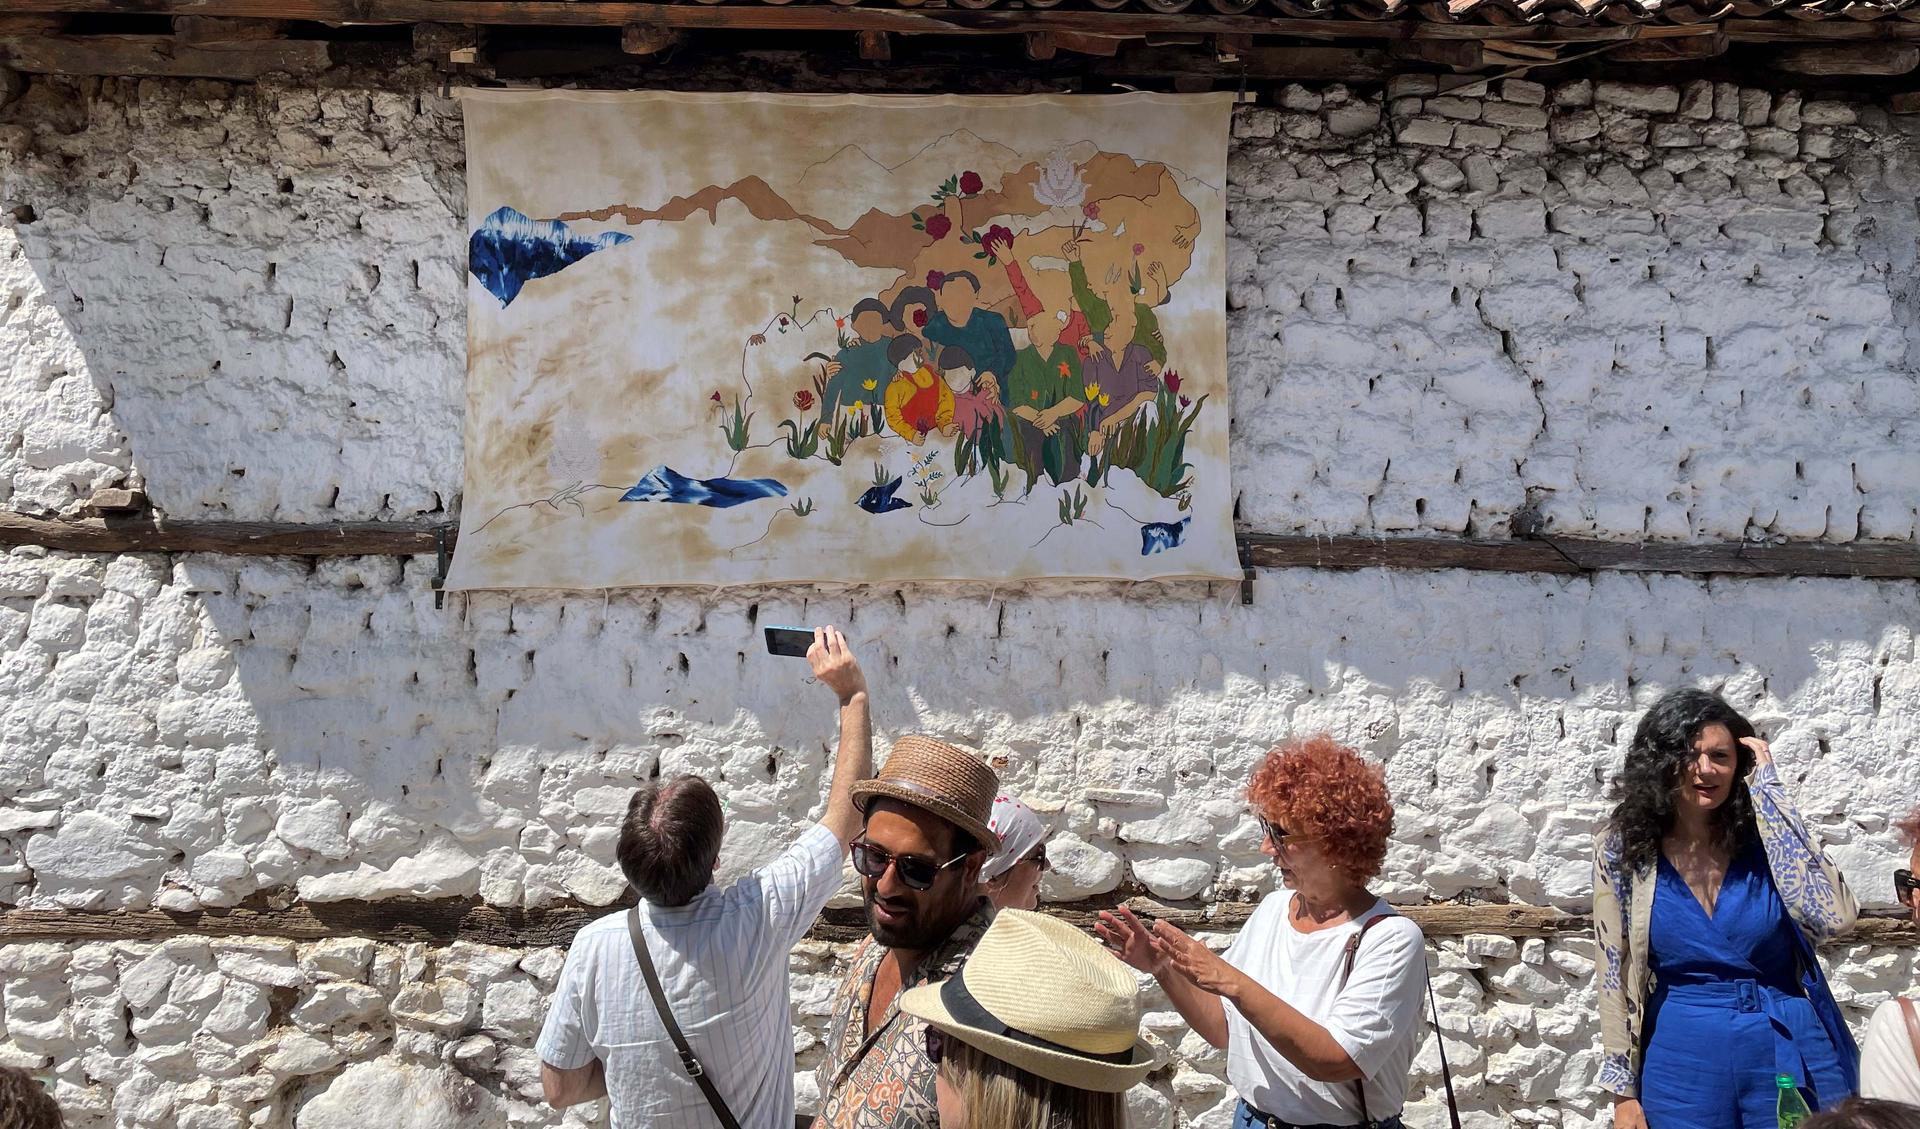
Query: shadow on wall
[[275, 332]]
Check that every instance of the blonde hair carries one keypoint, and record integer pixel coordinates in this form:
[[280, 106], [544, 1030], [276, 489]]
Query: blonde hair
[[1000, 1096]]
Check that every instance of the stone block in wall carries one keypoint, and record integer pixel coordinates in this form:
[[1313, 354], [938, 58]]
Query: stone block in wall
[[1637, 98]]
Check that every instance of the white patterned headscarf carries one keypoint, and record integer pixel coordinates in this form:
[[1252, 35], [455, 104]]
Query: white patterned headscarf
[[1020, 832]]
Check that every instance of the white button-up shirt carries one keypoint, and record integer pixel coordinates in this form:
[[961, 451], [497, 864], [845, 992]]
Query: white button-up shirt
[[722, 960]]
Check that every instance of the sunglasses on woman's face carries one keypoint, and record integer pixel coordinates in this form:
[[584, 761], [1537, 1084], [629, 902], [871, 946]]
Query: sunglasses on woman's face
[[1906, 887], [918, 873], [1039, 859], [1277, 835], [936, 1045]]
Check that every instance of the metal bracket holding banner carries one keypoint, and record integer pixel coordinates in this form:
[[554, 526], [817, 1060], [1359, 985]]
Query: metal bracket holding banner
[[441, 559]]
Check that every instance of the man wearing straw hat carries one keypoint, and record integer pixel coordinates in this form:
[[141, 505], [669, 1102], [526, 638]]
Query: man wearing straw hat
[[919, 853]]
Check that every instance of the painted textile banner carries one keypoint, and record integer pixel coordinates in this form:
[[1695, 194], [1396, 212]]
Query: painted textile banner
[[738, 338]]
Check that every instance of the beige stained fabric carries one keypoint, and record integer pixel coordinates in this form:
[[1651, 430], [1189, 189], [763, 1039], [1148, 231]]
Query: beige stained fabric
[[719, 245]]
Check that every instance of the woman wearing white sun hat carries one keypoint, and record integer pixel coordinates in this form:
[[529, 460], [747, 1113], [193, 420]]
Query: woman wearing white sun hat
[[1039, 1030]]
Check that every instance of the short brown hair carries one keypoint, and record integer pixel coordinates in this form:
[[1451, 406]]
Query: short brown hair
[[1317, 787], [670, 840], [25, 1103]]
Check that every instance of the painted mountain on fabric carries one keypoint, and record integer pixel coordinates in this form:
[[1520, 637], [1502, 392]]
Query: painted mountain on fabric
[[510, 249]]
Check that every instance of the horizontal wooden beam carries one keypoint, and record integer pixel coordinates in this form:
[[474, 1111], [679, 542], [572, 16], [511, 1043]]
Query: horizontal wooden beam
[[162, 56], [945, 21], [444, 921], [1545, 554], [247, 538]]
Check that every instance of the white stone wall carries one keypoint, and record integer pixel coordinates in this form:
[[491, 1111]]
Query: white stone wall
[[1633, 312]]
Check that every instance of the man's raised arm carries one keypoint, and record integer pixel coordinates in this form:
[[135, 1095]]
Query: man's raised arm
[[836, 668]]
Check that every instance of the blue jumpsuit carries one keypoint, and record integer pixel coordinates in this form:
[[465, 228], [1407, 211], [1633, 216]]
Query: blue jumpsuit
[[1728, 1011]]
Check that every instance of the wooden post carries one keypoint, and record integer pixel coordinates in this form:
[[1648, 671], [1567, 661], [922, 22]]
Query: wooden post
[[1040, 46], [874, 46]]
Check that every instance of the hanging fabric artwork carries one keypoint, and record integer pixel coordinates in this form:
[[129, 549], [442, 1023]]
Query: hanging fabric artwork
[[743, 338]]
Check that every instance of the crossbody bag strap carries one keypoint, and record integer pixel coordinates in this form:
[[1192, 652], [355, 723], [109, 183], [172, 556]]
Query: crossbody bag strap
[[1912, 1015], [687, 1060], [1440, 1041], [1346, 973]]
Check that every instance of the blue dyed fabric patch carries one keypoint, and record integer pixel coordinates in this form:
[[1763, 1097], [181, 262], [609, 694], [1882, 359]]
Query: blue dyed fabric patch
[[509, 250], [1159, 536], [664, 484], [880, 499]]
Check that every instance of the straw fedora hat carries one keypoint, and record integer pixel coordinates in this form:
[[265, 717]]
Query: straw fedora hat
[[1040, 995], [936, 777]]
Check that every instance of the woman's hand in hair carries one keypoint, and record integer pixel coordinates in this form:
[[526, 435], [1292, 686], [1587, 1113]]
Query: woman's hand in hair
[[1128, 938], [1762, 752], [1187, 956], [1627, 1114]]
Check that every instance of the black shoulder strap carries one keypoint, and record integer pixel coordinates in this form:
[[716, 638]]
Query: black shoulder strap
[[687, 1060], [1446, 1072], [1346, 973]]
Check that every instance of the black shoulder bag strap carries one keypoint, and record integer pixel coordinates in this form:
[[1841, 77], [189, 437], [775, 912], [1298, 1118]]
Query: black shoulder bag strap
[[1446, 1073], [687, 1060]]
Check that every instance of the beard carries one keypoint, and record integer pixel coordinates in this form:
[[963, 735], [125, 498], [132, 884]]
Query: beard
[[918, 925]]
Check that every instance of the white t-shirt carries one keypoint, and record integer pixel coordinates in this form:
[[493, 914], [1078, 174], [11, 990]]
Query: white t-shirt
[[1376, 1019], [1888, 1069], [722, 960]]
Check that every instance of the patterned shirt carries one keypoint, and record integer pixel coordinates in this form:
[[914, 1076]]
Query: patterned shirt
[[882, 1079]]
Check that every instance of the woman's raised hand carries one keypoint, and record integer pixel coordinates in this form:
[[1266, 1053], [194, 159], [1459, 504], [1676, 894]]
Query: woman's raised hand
[[1762, 752], [1208, 970], [1128, 938]]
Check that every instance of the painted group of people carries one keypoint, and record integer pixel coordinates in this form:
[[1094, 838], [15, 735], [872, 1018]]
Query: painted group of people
[[935, 361], [962, 1007]]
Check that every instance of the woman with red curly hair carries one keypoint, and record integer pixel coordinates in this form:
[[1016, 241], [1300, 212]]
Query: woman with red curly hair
[[1317, 1002], [1890, 1054]]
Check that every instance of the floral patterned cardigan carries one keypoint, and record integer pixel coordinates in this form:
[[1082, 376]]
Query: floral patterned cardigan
[[1812, 887]]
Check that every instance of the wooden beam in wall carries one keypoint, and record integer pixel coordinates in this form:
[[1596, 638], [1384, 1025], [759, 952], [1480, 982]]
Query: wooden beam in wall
[[912, 21], [1542, 554], [161, 56], [1885, 58], [202, 30], [444, 921]]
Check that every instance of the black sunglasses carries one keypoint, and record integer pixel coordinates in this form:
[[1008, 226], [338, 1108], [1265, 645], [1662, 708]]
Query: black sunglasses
[[918, 873], [1905, 885], [1039, 856], [936, 1045]]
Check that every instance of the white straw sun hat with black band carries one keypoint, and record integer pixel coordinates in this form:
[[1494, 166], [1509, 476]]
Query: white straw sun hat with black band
[[1040, 995]]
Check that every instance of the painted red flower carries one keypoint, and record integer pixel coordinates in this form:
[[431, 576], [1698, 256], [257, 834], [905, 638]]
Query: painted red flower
[[935, 279], [715, 398], [1139, 248], [938, 225], [919, 319], [1185, 403], [970, 184], [1173, 381], [803, 399], [1090, 210], [783, 319]]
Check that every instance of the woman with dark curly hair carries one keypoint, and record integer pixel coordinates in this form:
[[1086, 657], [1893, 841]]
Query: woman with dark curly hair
[[1709, 893], [1318, 999]]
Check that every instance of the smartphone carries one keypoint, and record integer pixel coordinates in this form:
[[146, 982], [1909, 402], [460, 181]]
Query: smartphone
[[791, 642]]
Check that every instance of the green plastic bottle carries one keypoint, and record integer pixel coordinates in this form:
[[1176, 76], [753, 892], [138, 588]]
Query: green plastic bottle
[[1791, 1109]]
